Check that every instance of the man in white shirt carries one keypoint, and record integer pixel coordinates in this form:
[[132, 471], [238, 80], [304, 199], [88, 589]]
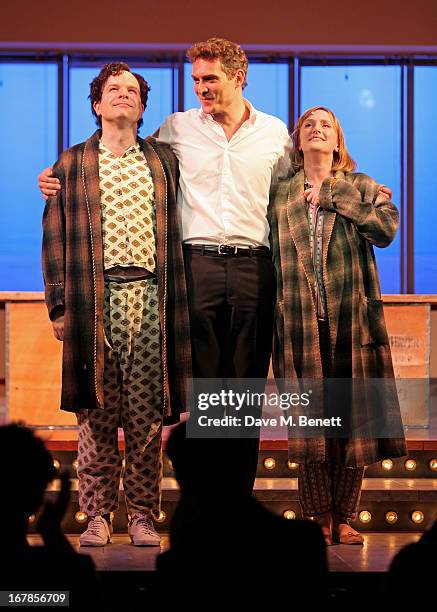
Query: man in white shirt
[[228, 154]]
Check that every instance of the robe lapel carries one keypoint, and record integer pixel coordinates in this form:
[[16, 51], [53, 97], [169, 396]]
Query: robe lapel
[[160, 190], [299, 227], [332, 290], [89, 176]]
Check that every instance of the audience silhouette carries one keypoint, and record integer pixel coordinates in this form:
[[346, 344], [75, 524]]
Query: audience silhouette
[[410, 579], [225, 546], [26, 470]]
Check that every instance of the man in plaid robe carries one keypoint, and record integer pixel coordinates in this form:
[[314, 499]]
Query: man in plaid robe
[[116, 295]]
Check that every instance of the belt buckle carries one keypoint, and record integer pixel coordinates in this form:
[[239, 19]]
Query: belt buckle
[[224, 245]]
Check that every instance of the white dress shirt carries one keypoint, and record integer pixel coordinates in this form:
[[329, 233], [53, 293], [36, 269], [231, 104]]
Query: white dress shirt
[[224, 185]]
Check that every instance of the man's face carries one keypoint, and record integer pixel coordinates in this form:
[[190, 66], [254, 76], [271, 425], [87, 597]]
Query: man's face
[[212, 86], [121, 99], [318, 133]]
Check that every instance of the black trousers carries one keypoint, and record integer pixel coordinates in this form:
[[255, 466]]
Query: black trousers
[[231, 302]]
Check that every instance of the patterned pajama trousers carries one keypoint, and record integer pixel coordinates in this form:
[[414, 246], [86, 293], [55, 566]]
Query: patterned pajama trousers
[[132, 400], [330, 486]]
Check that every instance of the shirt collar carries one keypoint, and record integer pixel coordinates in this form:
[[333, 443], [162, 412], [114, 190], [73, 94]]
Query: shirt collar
[[250, 121], [129, 151]]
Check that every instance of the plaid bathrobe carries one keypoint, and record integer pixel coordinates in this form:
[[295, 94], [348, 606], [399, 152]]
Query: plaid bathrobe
[[72, 258], [355, 219]]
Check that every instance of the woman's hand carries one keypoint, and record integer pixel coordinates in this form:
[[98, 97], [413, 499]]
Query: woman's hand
[[312, 195]]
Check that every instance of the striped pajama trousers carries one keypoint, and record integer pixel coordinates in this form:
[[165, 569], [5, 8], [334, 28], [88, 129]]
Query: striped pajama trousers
[[132, 400], [330, 486]]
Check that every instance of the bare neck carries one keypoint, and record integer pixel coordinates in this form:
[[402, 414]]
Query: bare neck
[[233, 118], [317, 167], [118, 138]]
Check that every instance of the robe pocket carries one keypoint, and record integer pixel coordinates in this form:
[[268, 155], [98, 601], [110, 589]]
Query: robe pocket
[[372, 322]]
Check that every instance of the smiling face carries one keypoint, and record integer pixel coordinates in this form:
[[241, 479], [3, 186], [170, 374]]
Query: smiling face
[[216, 91], [318, 134], [121, 100]]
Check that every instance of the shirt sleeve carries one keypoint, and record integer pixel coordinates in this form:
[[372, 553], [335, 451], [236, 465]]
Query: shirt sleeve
[[283, 165], [165, 132]]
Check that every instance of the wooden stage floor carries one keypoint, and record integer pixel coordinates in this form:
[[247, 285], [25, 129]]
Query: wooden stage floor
[[374, 556]]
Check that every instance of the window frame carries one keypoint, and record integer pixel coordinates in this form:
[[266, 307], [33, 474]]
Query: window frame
[[174, 57]]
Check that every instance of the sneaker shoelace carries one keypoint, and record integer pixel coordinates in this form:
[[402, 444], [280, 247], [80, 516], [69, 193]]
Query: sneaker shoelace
[[94, 526], [145, 523]]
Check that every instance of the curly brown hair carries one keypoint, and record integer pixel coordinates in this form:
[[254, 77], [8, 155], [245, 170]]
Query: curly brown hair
[[98, 84], [231, 56]]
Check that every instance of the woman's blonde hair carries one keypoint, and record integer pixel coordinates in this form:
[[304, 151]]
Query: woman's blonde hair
[[341, 159]]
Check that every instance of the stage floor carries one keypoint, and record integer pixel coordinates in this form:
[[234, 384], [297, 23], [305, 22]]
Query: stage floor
[[374, 556]]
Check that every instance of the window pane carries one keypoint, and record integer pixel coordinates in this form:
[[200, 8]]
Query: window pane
[[159, 105], [366, 100], [425, 180], [267, 89], [28, 120]]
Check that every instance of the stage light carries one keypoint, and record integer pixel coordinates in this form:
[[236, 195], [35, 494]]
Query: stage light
[[365, 516], [410, 465], [31, 519], [391, 517], [292, 465], [417, 517], [80, 517], [289, 514], [162, 516], [56, 465], [269, 463], [387, 464], [433, 465], [75, 465]]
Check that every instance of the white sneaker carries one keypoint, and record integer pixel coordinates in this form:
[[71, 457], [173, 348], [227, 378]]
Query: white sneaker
[[142, 532], [98, 533]]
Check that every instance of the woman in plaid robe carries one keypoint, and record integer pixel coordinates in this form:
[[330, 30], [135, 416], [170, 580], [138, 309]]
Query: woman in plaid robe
[[329, 320]]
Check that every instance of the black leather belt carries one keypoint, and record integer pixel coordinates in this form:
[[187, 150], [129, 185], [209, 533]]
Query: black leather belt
[[227, 249], [121, 274]]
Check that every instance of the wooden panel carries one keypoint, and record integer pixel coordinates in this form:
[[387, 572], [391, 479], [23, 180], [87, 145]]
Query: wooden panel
[[408, 326], [34, 359], [33, 367], [21, 296], [389, 298], [409, 298]]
